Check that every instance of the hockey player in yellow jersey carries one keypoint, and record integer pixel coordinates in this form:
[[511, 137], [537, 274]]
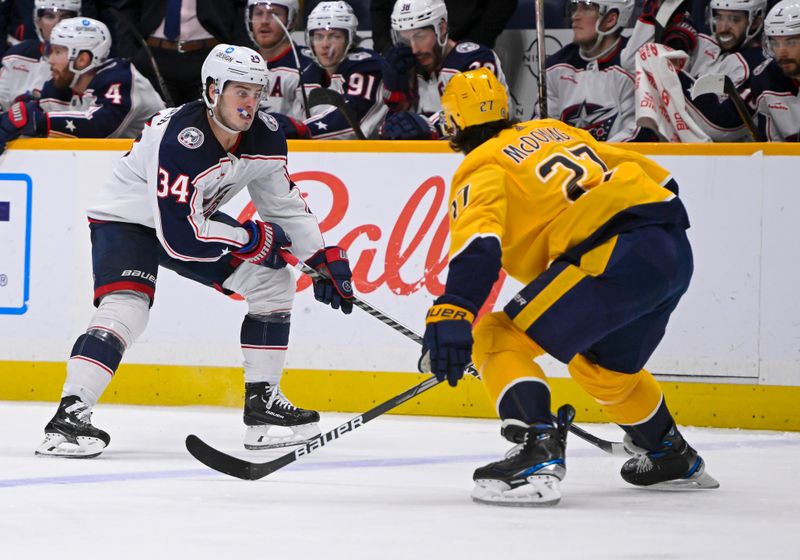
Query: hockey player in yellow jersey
[[597, 235]]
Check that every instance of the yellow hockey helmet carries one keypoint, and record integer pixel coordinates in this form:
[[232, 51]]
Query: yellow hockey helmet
[[474, 97]]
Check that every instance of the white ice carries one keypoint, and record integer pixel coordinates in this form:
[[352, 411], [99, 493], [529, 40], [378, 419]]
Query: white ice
[[396, 488]]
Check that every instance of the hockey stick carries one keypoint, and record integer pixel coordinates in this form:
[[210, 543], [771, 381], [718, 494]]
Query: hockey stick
[[246, 470], [722, 84], [326, 96], [541, 54], [306, 109], [611, 447]]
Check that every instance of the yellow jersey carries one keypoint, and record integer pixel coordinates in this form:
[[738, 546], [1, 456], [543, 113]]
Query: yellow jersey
[[543, 188]]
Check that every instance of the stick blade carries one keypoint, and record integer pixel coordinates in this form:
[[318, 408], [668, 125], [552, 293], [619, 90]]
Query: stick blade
[[323, 96], [709, 83], [218, 460]]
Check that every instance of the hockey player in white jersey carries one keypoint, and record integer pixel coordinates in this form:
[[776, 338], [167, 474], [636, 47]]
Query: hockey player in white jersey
[[161, 208], [344, 67], [419, 64], [734, 50], [590, 82], [109, 99], [269, 23], [25, 68], [776, 95]]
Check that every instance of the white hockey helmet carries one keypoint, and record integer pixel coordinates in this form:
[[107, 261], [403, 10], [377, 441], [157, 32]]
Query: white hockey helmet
[[82, 34], [623, 7], [783, 19], [754, 8], [71, 7], [332, 15], [231, 63], [292, 6], [416, 14]]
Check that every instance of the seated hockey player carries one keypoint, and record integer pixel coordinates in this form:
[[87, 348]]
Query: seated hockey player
[[269, 24], [25, 68], [420, 63], [344, 67], [775, 81], [161, 208], [734, 50], [602, 274], [109, 99], [590, 82]]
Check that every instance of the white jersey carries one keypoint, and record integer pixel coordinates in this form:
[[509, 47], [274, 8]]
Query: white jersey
[[24, 70], [177, 176], [777, 103], [285, 95], [116, 104], [462, 57], [717, 117]]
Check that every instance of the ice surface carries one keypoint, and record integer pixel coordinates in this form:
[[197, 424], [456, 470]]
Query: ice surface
[[397, 488]]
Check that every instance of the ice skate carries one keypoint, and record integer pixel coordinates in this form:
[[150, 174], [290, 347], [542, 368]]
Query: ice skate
[[273, 421], [532, 470], [674, 465], [70, 433]]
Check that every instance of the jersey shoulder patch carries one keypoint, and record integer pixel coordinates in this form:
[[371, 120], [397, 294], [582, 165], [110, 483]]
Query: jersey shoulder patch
[[761, 67], [356, 56], [191, 137], [269, 120], [467, 47]]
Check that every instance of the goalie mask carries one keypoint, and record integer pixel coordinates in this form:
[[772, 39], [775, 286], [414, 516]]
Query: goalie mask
[[82, 34], [292, 7], [417, 14], [753, 8], [472, 98], [70, 9], [229, 63], [332, 15]]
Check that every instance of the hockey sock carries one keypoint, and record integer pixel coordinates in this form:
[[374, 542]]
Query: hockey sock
[[650, 432], [92, 363], [265, 339], [526, 399], [627, 398]]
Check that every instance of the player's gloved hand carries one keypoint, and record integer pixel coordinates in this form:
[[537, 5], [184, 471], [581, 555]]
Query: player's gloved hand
[[680, 34], [407, 126], [265, 240], [22, 119], [292, 129], [335, 287], [448, 337], [649, 11], [396, 71]]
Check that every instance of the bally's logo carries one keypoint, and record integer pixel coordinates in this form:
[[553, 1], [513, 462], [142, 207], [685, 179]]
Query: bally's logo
[[191, 137]]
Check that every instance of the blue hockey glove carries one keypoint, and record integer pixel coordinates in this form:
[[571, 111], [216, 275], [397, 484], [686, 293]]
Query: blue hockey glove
[[397, 69], [22, 119], [407, 126], [448, 338], [265, 240], [681, 35], [335, 288], [292, 129]]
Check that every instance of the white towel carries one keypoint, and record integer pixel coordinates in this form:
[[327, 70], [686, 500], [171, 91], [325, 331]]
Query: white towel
[[660, 103]]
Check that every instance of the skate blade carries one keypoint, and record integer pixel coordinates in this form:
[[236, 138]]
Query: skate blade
[[540, 491], [698, 481], [267, 437], [57, 445]]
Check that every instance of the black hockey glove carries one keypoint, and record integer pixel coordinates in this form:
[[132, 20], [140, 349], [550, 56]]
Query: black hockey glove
[[407, 126], [448, 338], [335, 288], [265, 240], [22, 119], [681, 35], [396, 70]]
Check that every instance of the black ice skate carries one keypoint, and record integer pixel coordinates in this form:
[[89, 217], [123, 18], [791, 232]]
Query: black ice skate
[[70, 433], [273, 421], [532, 470], [673, 465]]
